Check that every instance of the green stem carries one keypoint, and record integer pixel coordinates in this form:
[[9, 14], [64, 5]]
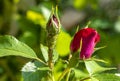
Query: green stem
[[85, 79], [51, 76], [51, 45], [53, 79], [68, 75], [50, 54], [63, 74], [50, 62]]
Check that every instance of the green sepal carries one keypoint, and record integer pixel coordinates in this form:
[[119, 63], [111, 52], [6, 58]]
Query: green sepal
[[98, 48]]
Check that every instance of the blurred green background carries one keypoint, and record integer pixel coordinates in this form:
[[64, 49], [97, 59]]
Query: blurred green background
[[26, 20]]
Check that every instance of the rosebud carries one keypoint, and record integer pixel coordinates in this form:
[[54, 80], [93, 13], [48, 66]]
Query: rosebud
[[53, 28], [53, 25], [85, 40]]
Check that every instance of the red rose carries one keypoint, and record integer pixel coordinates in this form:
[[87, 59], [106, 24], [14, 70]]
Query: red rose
[[88, 38]]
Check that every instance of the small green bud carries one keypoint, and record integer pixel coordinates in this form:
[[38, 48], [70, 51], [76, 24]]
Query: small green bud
[[53, 26]]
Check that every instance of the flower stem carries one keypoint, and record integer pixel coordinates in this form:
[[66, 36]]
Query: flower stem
[[63, 74], [85, 79], [50, 62], [68, 75], [50, 77], [51, 45], [50, 54]]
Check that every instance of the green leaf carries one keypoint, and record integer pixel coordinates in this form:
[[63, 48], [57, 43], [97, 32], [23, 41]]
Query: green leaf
[[44, 50], [93, 67], [34, 71], [80, 74], [96, 49], [11, 46], [55, 55], [107, 77]]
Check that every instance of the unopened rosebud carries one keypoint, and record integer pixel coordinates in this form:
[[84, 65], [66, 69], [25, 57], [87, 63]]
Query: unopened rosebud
[[53, 28], [53, 25], [85, 40]]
